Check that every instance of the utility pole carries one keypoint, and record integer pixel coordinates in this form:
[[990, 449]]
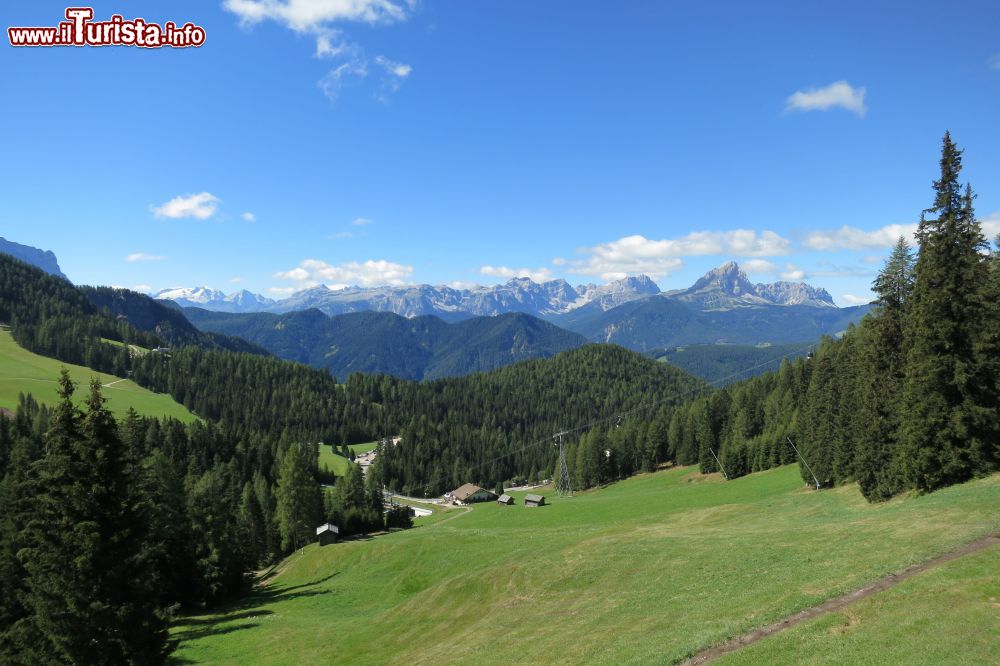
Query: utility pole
[[804, 462], [719, 463]]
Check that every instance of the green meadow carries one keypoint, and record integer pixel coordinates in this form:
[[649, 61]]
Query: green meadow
[[24, 372], [946, 615], [648, 570], [336, 463]]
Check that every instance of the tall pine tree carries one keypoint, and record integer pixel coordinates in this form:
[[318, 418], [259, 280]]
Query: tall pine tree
[[950, 402], [91, 583]]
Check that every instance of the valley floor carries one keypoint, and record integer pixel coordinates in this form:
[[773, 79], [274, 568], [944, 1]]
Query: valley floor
[[649, 570]]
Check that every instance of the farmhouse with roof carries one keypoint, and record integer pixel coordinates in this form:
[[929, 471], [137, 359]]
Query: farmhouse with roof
[[470, 493]]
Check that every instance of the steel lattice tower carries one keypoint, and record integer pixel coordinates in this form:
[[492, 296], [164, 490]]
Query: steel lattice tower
[[564, 488]]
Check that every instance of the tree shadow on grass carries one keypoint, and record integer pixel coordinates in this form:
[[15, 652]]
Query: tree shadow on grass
[[250, 607]]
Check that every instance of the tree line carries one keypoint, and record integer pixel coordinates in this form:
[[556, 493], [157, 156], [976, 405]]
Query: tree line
[[909, 399]]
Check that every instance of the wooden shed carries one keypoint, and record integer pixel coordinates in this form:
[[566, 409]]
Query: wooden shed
[[505, 499], [534, 500], [327, 534]]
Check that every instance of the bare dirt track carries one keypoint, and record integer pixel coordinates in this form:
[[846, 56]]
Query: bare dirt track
[[840, 602]]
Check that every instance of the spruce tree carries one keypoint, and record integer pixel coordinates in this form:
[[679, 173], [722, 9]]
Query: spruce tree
[[91, 584], [950, 402], [883, 357], [299, 501]]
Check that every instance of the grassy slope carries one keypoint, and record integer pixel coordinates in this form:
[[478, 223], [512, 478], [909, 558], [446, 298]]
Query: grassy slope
[[945, 615], [650, 569], [337, 463], [24, 372]]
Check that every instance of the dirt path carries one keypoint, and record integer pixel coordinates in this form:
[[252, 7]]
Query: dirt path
[[838, 603]]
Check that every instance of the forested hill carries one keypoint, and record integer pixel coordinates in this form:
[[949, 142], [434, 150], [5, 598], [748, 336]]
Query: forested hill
[[166, 321], [497, 426], [660, 322], [383, 342]]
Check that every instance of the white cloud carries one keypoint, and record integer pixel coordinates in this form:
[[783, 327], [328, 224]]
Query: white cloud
[[462, 284], [235, 280], [248, 217], [142, 288], [852, 238], [361, 222], [991, 225], [658, 258], [392, 78], [793, 273], [319, 18], [201, 206], [335, 80], [537, 274], [280, 292], [371, 273], [142, 256], [857, 300], [759, 267], [839, 94], [396, 69], [994, 61], [318, 15]]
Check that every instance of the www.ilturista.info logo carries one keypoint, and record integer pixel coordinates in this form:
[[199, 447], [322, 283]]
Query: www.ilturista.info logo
[[81, 30]]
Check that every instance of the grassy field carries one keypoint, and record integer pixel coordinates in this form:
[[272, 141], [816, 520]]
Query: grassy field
[[24, 372], [649, 570], [933, 618], [337, 463]]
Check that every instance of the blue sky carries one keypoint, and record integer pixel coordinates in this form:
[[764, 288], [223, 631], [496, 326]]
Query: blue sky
[[386, 141]]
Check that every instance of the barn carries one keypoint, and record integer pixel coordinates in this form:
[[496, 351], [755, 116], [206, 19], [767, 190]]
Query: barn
[[327, 534], [505, 499], [470, 493], [534, 500]]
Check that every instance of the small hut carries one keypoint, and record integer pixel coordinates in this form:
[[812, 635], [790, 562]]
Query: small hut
[[534, 500], [327, 534], [505, 499]]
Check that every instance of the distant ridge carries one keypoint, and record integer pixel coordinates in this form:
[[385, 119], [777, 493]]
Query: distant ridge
[[44, 259]]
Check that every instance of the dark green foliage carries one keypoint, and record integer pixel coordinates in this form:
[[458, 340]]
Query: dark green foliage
[[721, 365], [496, 426], [909, 399], [299, 503], [167, 322], [86, 548], [952, 425], [882, 357], [663, 323], [383, 342]]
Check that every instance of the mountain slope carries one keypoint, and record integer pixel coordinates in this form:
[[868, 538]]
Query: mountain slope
[[383, 342], [44, 259], [166, 321], [23, 372], [663, 321]]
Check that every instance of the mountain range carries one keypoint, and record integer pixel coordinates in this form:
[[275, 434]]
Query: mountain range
[[425, 332], [722, 288], [214, 299], [383, 342]]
